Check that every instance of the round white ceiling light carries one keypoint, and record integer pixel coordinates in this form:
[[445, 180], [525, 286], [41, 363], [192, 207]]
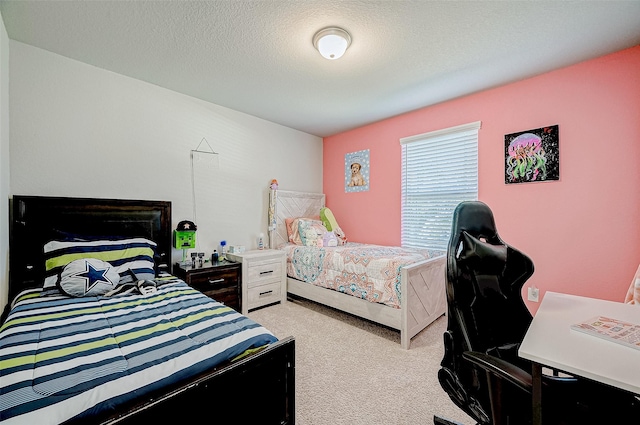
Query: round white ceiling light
[[332, 42]]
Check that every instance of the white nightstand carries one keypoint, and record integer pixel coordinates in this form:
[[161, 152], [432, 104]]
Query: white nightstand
[[264, 277]]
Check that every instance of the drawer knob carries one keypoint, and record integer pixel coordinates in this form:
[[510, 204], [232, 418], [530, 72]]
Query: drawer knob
[[216, 281], [267, 272], [265, 293]]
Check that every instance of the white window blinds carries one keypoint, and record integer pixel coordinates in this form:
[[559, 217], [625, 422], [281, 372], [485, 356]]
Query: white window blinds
[[439, 170]]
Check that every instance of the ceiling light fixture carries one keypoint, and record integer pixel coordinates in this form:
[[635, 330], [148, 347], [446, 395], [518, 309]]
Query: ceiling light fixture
[[332, 42]]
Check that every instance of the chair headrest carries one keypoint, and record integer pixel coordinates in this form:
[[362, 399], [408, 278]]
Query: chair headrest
[[481, 256], [476, 218]]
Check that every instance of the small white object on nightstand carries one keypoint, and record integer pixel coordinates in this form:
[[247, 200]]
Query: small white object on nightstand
[[264, 277]]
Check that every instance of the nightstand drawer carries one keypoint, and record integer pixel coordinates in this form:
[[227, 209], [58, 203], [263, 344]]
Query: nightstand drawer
[[214, 281], [220, 281], [264, 271], [227, 296], [265, 294]]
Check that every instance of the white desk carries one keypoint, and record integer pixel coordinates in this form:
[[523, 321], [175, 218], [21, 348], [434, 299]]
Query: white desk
[[550, 342]]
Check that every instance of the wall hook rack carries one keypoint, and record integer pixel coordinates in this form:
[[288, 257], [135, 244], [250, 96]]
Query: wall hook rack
[[193, 179], [197, 149]]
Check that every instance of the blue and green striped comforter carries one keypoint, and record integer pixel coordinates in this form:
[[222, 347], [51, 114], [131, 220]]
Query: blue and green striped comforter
[[62, 358]]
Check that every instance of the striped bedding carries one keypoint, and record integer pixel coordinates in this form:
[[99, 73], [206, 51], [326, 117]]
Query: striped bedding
[[130, 254], [371, 272], [63, 358]]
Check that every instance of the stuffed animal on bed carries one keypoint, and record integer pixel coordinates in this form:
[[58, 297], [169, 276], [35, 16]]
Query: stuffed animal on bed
[[310, 237], [331, 224], [329, 239]]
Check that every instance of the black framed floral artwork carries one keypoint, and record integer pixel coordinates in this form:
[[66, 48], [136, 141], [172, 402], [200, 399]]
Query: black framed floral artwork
[[532, 155]]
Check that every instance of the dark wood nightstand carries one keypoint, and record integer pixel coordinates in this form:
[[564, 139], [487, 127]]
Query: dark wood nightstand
[[220, 281]]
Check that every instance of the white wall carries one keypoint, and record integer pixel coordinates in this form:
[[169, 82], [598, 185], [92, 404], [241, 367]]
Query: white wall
[[4, 164], [78, 130]]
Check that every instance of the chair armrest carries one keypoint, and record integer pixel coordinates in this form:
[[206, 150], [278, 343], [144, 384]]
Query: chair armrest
[[502, 369]]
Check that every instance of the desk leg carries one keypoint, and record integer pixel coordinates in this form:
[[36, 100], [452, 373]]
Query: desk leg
[[536, 375]]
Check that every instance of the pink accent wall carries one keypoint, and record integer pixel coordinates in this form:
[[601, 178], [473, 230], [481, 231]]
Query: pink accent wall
[[583, 231]]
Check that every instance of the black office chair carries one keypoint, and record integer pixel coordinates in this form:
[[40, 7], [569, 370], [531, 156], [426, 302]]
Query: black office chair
[[487, 319]]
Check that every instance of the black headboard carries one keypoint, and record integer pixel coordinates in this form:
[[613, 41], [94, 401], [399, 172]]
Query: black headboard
[[36, 220]]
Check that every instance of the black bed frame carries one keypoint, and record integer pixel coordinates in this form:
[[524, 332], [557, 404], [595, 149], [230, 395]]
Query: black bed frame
[[257, 389]]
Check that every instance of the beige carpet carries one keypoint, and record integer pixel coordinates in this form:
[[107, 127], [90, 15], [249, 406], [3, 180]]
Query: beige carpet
[[351, 371]]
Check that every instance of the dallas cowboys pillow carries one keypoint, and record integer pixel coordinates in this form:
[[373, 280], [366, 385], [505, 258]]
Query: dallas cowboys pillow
[[136, 254], [88, 277]]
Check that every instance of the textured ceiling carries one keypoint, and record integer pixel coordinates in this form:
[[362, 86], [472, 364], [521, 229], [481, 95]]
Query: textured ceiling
[[257, 57]]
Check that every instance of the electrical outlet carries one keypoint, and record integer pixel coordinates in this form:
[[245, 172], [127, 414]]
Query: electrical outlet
[[533, 294]]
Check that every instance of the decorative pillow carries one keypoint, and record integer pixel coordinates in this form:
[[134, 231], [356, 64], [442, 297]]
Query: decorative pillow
[[310, 231], [293, 228], [330, 222], [136, 254], [88, 277]]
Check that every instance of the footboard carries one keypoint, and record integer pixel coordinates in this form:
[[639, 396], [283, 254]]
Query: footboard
[[257, 389], [423, 295]]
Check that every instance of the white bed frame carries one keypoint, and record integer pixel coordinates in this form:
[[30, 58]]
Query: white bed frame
[[423, 297]]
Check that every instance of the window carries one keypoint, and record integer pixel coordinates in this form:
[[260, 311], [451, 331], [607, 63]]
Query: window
[[439, 170]]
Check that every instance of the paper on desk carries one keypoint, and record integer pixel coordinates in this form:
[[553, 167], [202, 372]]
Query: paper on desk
[[614, 330]]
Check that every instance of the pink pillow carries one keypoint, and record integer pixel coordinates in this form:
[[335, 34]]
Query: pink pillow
[[288, 223]]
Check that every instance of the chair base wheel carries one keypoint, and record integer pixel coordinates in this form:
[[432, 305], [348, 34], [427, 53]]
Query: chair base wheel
[[441, 421]]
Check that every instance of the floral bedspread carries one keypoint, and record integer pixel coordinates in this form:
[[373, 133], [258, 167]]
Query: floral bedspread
[[366, 271]]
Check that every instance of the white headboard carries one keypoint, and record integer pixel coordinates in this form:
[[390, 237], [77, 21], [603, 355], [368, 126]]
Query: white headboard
[[287, 204]]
